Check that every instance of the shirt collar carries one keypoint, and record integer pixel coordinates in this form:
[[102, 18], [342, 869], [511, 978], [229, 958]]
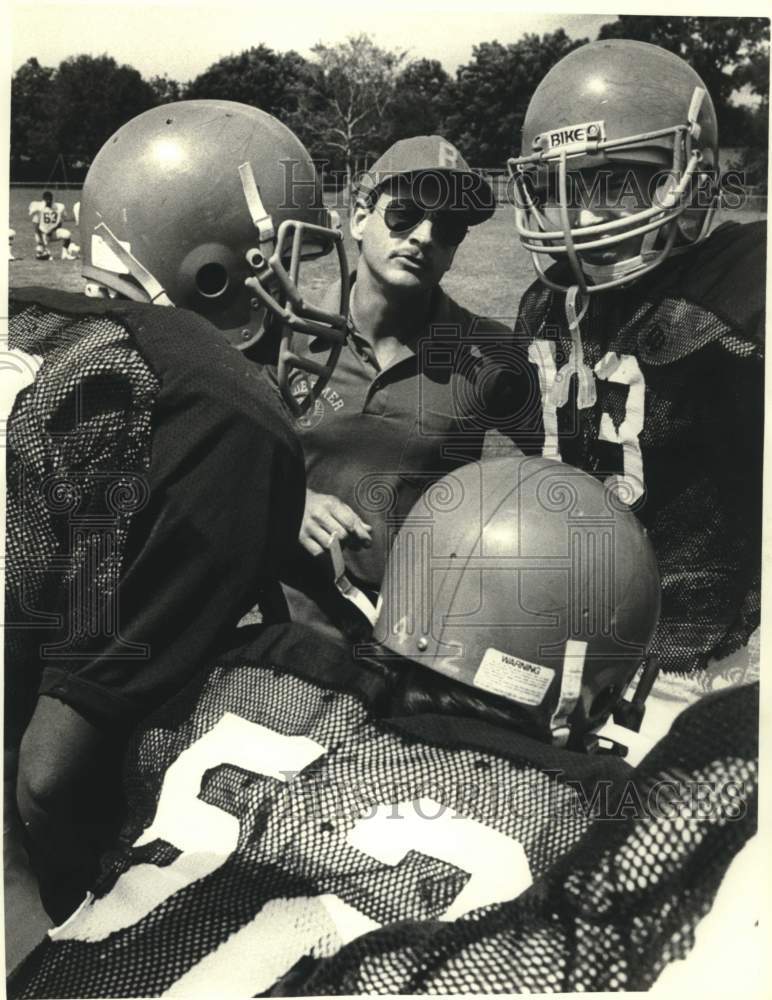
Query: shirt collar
[[439, 312]]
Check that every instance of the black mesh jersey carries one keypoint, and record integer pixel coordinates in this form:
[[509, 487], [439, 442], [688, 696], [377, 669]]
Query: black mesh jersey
[[153, 483], [666, 396], [612, 912], [274, 816]]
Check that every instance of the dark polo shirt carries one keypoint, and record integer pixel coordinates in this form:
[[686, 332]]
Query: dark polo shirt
[[378, 437]]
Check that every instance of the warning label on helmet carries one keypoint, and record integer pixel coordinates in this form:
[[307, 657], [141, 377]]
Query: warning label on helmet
[[513, 678]]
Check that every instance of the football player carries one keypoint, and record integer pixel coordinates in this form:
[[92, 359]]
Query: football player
[[47, 216], [646, 327], [11, 235], [154, 480], [296, 797]]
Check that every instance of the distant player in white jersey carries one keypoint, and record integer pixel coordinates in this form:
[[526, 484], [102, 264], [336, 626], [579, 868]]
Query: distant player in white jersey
[[11, 234], [47, 216]]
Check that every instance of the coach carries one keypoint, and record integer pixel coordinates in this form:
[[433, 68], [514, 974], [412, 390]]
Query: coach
[[421, 383]]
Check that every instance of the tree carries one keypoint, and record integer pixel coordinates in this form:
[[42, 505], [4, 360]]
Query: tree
[[344, 112], [33, 99], [422, 100], [166, 89], [258, 76], [72, 110], [727, 52], [492, 92], [94, 97], [753, 73]]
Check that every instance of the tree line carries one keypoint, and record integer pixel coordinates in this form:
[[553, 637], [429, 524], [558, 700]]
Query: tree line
[[351, 100]]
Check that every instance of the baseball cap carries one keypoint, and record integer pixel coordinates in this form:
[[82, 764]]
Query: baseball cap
[[440, 177]]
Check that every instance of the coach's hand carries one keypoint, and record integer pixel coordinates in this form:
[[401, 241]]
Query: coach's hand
[[325, 514]]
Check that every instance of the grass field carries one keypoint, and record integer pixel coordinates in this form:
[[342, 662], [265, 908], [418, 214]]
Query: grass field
[[489, 275]]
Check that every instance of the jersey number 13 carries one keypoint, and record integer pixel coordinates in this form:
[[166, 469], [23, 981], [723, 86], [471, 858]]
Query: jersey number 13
[[554, 386]]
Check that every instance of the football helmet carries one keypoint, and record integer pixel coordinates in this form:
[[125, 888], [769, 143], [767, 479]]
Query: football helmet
[[616, 103], [212, 206], [531, 580]]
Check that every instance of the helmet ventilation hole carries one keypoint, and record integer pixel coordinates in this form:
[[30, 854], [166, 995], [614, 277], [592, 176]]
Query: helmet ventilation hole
[[211, 280]]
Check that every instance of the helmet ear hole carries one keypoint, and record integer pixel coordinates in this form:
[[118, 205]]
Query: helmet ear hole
[[211, 280]]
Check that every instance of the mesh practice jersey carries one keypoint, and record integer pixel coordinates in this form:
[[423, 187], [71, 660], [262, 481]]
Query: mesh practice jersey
[[275, 818], [615, 911], [153, 484], [666, 398]]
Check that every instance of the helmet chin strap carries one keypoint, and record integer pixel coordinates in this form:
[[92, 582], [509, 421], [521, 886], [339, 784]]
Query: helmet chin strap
[[601, 273], [570, 690], [345, 587], [635, 745], [151, 286], [608, 272], [261, 218], [585, 378]]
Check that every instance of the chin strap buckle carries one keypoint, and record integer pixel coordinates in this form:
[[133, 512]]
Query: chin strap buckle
[[345, 587], [621, 735], [630, 713], [620, 742]]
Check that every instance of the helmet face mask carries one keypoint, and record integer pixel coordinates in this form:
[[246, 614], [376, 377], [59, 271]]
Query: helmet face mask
[[624, 194], [587, 118], [214, 206], [529, 580]]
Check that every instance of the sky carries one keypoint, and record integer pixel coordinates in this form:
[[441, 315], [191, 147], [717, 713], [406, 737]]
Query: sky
[[182, 38]]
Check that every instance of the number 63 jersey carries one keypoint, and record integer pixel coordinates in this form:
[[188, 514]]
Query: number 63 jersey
[[664, 399], [273, 818]]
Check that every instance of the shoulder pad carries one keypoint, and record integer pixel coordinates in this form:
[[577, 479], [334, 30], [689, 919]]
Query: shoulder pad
[[726, 275]]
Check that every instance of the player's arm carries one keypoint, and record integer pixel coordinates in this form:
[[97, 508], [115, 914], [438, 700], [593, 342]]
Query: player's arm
[[515, 399], [223, 506], [325, 513], [59, 747], [507, 394], [35, 212]]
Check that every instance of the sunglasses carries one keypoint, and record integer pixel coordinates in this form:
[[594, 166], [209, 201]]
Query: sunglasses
[[403, 216]]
